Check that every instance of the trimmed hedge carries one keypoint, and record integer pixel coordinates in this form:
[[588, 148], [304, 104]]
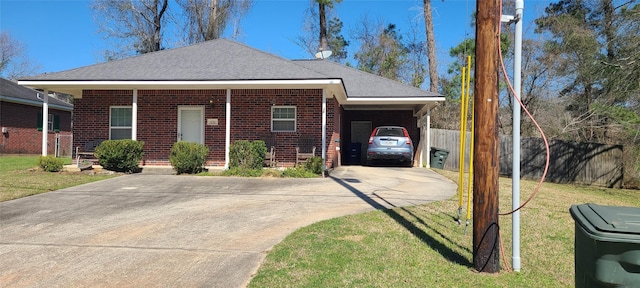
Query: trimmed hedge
[[120, 155], [188, 157]]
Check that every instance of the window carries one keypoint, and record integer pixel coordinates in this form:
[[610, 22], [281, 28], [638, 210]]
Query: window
[[50, 122], [53, 122], [283, 119], [120, 123]]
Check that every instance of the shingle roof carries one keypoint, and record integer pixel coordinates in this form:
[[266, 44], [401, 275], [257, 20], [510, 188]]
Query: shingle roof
[[10, 90], [223, 59], [212, 60], [362, 84]]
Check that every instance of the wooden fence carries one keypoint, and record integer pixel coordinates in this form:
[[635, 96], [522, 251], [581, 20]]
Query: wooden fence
[[570, 162]]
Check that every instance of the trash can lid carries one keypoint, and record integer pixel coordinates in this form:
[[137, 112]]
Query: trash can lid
[[608, 221]]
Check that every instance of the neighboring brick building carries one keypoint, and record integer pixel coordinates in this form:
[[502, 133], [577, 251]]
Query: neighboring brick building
[[220, 91], [21, 121]]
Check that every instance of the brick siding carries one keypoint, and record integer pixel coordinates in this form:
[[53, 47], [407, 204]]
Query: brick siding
[[22, 135], [250, 119]]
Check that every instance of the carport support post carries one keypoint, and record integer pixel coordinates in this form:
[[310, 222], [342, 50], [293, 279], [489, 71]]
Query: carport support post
[[486, 157]]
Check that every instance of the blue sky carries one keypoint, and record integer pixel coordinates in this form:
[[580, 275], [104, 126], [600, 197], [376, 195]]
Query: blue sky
[[61, 34]]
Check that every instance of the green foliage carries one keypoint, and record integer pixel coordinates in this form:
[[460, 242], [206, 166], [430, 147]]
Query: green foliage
[[247, 154], [314, 165], [50, 163], [298, 172], [120, 155], [188, 157], [242, 172]]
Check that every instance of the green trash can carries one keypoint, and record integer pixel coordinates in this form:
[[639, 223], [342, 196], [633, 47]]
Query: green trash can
[[607, 245], [438, 157]]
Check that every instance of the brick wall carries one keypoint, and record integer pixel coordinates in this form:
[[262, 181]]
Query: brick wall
[[250, 119], [23, 136]]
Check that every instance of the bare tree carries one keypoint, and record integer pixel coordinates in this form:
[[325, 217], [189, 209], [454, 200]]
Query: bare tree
[[13, 61], [207, 19], [137, 23]]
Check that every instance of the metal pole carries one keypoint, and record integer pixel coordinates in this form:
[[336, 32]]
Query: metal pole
[[515, 176]]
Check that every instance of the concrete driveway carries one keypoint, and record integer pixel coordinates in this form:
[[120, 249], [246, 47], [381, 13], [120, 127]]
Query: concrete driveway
[[184, 231]]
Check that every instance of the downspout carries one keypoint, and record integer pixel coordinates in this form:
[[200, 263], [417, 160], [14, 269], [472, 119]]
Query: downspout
[[227, 134], [324, 131], [134, 116], [45, 121]]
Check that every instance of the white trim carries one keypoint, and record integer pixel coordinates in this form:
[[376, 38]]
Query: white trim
[[34, 103], [133, 83], [227, 133], [392, 100], [190, 108], [118, 127], [295, 118]]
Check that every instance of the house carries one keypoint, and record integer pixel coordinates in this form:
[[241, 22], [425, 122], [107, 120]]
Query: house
[[22, 125], [220, 91]]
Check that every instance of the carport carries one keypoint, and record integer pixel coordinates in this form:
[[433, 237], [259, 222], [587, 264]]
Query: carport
[[374, 101]]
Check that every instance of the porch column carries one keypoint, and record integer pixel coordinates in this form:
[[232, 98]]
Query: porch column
[[45, 121], [324, 130], [428, 140], [134, 115], [227, 134]]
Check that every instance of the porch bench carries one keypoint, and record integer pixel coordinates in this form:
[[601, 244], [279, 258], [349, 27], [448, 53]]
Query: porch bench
[[305, 149], [88, 151]]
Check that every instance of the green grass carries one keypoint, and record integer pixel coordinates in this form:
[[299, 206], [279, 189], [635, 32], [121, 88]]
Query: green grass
[[20, 176], [423, 246]]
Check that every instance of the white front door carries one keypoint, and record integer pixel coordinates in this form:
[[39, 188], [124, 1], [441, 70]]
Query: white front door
[[191, 124]]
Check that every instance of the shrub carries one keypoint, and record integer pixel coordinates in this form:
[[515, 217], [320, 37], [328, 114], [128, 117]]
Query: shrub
[[50, 163], [188, 157], [247, 154], [314, 165], [120, 155]]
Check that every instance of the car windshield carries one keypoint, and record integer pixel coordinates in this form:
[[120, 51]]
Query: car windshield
[[389, 131]]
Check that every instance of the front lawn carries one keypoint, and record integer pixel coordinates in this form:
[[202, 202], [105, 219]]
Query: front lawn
[[423, 246], [20, 176]]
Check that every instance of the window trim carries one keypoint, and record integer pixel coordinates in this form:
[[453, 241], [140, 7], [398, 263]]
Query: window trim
[[119, 127], [295, 118]]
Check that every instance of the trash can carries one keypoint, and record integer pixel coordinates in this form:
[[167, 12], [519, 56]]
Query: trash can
[[438, 157], [355, 150], [607, 245]]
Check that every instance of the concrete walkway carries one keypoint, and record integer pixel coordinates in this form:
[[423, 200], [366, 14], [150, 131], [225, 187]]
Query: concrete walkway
[[184, 231]]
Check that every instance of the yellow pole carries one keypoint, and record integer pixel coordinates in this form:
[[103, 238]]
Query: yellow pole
[[471, 144], [463, 128]]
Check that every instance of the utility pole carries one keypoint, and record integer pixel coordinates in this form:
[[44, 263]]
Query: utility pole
[[486, 157]]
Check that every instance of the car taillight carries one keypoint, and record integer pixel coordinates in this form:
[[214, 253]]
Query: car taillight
[[372, 134], [406, 135]]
